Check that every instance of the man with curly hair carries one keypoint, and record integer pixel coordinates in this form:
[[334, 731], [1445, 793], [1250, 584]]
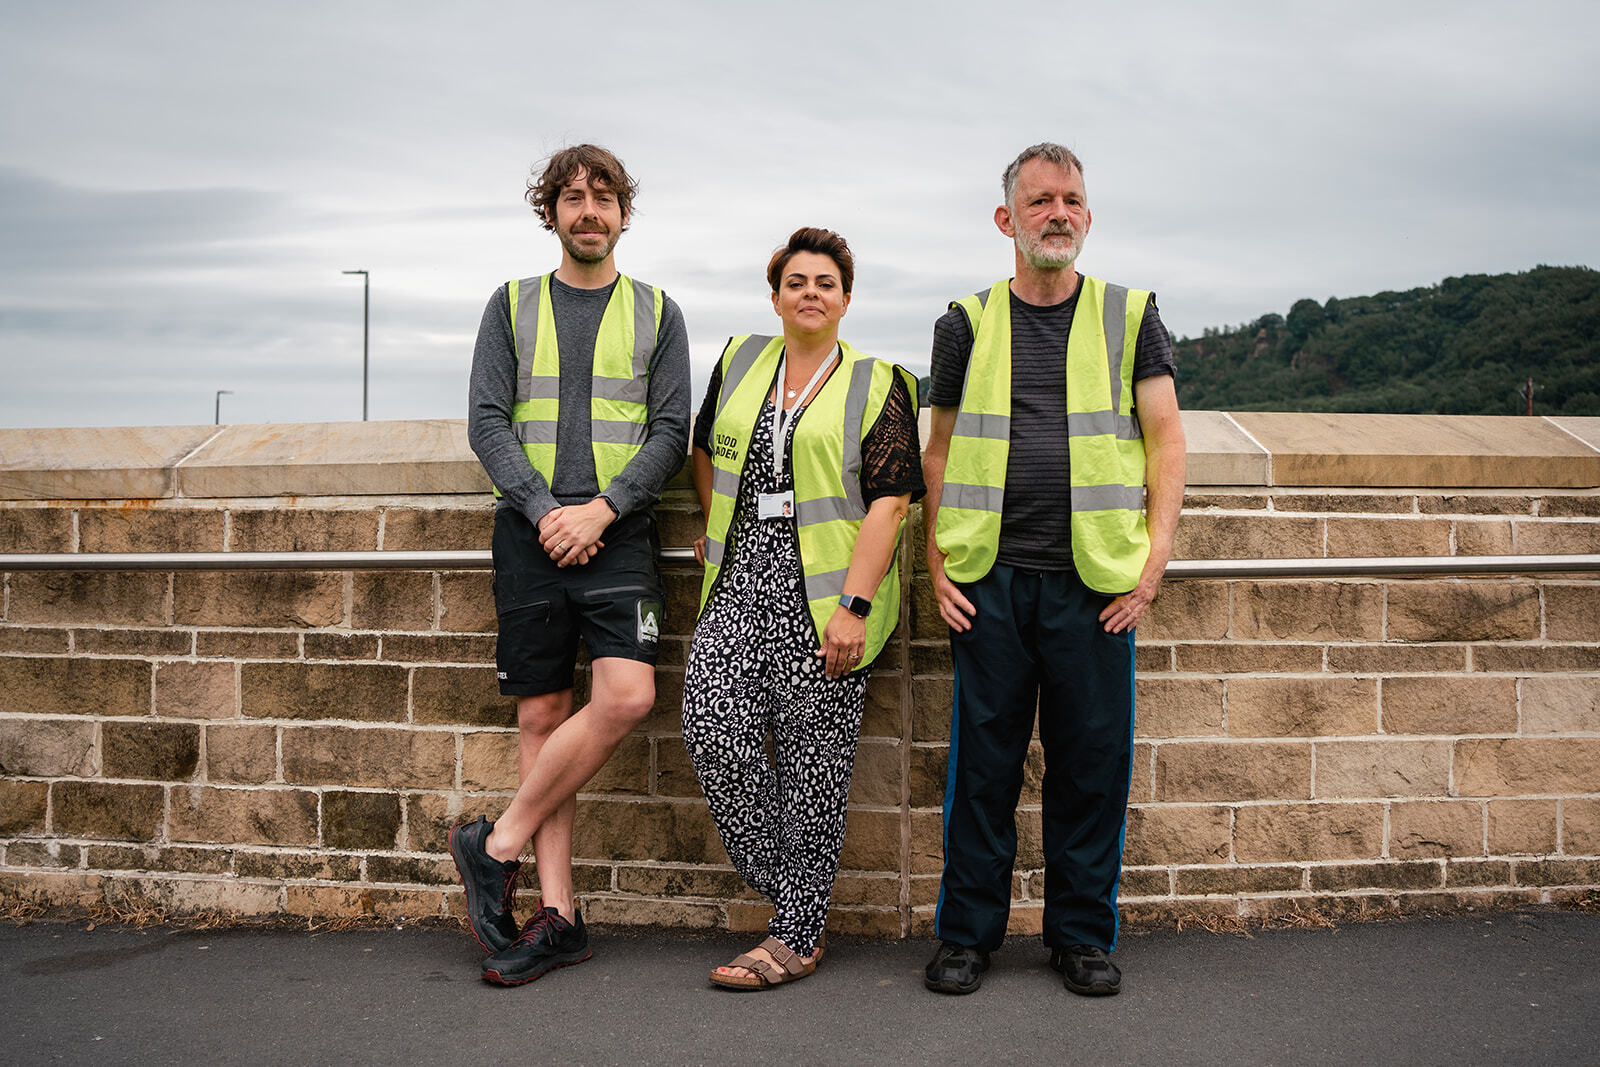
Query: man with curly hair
[[579, 412]]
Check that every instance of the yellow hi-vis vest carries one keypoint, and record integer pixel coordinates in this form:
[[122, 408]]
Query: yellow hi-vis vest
[[825, 456], [622, 349], [1109, 540]]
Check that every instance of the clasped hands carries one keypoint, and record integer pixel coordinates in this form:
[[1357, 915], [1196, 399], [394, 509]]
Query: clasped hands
[[571, 533]]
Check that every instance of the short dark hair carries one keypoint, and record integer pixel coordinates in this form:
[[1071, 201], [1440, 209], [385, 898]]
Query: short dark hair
[[1050, 152], [823, 243], [600, 164]]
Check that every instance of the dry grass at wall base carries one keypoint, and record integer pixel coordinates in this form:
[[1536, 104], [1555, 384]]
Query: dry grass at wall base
[[1589, 902], [137, 912]]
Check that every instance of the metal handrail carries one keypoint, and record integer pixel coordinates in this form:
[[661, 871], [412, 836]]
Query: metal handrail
[[479, 560], [1356, 566]]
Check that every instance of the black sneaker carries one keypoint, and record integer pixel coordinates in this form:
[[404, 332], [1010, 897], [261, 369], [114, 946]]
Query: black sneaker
[[955, 969], [491, 885], [1086, 970], [547, 942]]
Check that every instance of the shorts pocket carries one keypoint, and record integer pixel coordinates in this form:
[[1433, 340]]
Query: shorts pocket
[[522, 653], [612, 592], [524, 615], [515, 592]]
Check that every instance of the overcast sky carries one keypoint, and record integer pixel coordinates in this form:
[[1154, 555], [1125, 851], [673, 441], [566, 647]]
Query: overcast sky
[[182, 183]]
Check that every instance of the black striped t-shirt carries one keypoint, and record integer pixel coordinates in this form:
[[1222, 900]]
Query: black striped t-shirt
[[1036, 522]]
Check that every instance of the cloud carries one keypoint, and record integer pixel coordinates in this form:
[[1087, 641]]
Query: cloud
[[182, 183], [56, 228]]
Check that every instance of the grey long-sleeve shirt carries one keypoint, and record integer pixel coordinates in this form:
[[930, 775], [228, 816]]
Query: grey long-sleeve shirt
[[493, 389]]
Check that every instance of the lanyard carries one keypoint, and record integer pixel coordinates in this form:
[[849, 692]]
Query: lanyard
[[778, 420]]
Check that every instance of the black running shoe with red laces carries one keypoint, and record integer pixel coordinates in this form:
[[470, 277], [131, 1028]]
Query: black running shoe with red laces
[[491, 885], [547, 942]]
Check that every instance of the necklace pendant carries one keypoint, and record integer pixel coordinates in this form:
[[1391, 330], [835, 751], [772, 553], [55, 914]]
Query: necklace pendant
[[790, 394]]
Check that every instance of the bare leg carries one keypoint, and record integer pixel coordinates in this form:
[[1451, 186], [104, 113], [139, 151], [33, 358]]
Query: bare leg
[[537, 718], [621, 696]]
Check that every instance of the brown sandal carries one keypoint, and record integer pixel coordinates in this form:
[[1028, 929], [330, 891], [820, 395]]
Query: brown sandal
[[791, 967]]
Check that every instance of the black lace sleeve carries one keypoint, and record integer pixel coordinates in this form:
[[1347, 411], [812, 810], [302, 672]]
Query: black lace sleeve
[[708, 410], [891, 454]]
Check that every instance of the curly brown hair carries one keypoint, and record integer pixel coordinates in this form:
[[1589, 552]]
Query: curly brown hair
[[603, 169], [823, 243]]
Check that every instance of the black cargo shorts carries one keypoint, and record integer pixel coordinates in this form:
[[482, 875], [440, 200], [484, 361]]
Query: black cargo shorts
[[613, 602]]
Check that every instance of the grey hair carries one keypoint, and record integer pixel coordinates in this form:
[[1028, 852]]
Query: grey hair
[[1050, 152]]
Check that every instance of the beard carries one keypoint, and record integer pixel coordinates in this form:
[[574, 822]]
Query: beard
[[587, 253], [1041, 256]]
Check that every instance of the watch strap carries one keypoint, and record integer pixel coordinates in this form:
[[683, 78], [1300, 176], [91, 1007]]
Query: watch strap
[[858, 606]]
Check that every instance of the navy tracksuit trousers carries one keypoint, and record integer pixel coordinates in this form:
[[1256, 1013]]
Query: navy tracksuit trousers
[[1036, 641]]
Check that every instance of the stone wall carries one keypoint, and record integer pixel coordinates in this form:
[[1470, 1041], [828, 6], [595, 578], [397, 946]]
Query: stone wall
[[261, 743]]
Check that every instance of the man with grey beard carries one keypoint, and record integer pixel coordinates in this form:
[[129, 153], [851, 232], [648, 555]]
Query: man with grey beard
[[1055, 474]]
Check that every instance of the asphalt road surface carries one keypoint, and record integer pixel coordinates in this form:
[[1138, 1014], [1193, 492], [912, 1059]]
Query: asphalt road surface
[[1501, 988]]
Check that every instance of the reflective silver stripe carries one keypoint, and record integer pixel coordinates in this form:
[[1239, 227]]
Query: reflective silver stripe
[[827, 584], [973, 424], [626, 390], [827, 509], [633, 389], [1107, 497], [1092, 423], [983, 298], [537, 432], [972, 497], [744, 357], [725, 482], [644, 328], [526, 330], [855, 411], [630, 390], [1116, 326], [713, 552], [614, 432]]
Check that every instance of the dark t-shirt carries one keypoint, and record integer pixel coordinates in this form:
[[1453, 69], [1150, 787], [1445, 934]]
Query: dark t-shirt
[[1036, 521], [891, 453]]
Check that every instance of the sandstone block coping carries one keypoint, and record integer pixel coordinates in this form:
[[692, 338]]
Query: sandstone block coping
[[1316, 448], [335, 459], [417, 457], [1220, 453], [1585, 428], [431, 456], [96, 462]]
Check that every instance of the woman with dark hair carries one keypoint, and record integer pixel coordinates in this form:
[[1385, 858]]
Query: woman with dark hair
[[806, 458]]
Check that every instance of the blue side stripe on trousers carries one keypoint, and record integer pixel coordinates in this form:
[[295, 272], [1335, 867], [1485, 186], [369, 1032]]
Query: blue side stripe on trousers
[[1122, 834], [949, 789]]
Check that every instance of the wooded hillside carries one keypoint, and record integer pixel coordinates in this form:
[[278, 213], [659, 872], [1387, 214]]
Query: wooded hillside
[[1462, 347]]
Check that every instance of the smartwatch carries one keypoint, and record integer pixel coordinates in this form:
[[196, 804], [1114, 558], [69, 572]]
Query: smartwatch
[[859, 606]]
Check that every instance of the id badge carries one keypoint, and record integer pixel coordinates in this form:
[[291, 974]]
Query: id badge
[[775, 505]]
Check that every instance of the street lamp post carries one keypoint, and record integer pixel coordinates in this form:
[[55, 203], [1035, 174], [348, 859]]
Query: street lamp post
[[219, 403], [366, 307]]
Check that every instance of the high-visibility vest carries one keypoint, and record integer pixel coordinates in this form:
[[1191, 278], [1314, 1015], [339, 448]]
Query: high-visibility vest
[[1109, 540], [618, 389], [825, 456]]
